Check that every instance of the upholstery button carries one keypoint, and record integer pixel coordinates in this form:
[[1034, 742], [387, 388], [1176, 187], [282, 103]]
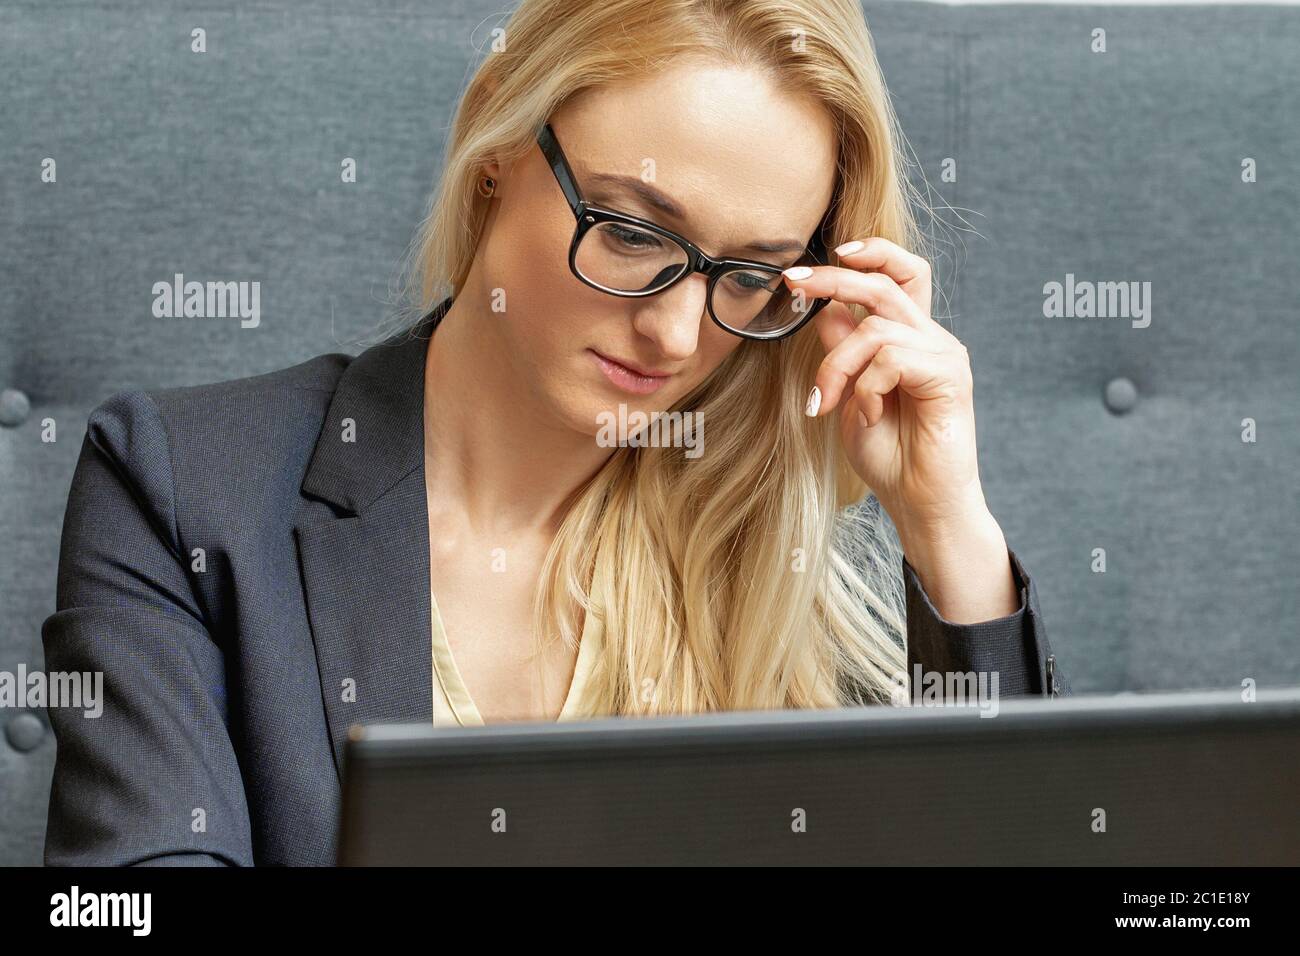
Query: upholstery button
[[25, 731], [14, 408], [1121, 395]]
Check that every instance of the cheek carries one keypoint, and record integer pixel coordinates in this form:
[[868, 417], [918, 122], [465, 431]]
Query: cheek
[[542, 305], [528, 253]]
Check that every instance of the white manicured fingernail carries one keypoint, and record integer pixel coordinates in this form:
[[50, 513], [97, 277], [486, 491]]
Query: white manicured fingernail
[[814, 402], [797, 272], [849, 248]]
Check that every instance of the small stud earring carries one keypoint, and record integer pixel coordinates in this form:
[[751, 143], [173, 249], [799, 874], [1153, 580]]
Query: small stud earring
[[487, 186]]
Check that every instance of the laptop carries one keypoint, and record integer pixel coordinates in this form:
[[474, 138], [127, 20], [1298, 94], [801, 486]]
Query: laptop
[[1198, 778]]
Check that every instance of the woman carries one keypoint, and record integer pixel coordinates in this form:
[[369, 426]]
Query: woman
[[634, 217]]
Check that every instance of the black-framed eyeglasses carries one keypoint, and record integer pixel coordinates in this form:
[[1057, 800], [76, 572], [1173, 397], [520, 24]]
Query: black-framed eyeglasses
[[629, 256]]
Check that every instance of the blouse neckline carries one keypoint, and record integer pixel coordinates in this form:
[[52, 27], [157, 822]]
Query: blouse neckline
[[447, 675]]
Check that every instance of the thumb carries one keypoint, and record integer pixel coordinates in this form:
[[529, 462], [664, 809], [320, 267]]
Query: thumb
[[834, 323]]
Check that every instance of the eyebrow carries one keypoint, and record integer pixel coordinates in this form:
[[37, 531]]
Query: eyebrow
[[666, 204]]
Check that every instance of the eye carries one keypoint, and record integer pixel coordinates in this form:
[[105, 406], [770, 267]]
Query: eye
[[630, 238], [745, 282]]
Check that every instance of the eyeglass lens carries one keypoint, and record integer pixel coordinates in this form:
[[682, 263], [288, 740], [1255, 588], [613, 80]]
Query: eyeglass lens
[[625, 258]]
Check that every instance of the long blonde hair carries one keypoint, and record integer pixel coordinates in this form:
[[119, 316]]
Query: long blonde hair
[[755, 576]]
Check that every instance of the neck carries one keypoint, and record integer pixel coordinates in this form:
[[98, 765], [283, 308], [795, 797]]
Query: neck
[[491, 452]]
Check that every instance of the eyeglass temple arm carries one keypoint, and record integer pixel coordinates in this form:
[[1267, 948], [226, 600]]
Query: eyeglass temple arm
[[559, 165]]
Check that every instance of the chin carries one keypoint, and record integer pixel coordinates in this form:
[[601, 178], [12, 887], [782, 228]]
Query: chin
[[598, 413], [577, 407]]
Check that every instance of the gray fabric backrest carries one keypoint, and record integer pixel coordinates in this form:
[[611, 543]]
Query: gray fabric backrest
[[1124, 166]]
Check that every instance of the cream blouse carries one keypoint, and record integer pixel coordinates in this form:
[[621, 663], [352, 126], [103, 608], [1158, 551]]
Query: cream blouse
[[452, 705]]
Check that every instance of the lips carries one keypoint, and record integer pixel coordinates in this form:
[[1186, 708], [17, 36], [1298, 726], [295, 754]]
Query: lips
[[634, 369], [629, 378]]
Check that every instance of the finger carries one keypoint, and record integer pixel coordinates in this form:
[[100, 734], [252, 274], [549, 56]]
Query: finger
[[847, 360], [875, 290], [912, 272], [921, 374]]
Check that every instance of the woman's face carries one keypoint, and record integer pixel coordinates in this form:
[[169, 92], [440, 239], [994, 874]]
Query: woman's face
[[743, 164]]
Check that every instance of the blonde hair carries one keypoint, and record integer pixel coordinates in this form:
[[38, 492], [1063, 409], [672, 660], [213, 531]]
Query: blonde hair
[[754, 576]]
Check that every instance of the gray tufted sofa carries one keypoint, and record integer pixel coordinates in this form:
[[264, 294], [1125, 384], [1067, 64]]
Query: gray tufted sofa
[[1119, 434]]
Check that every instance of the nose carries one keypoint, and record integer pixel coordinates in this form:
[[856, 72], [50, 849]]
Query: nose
[[672, 319]]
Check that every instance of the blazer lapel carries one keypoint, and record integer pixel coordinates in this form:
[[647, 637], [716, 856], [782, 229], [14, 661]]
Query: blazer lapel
[[365, 564]]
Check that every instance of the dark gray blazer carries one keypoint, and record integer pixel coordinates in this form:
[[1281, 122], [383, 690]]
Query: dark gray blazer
[[227, 563]]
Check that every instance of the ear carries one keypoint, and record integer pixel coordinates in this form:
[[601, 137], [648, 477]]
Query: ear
[[486, 93]]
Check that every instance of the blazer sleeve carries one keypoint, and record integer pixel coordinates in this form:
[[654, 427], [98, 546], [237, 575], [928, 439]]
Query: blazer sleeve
[[153, 779], [1015, 646]]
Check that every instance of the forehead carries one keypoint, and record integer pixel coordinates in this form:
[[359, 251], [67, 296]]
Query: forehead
[[746, 159]]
